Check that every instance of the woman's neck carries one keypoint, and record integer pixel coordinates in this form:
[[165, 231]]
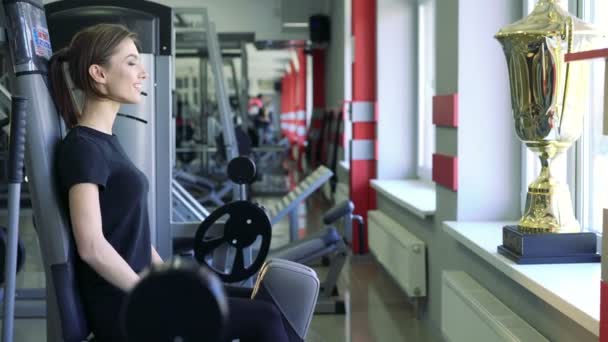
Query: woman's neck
[[99, 114]]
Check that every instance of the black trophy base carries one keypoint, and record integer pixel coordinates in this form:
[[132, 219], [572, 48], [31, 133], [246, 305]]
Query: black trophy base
[[566, 248]]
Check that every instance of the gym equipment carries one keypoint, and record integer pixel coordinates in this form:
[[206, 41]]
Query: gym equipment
[[331, 247], [288, 204], [196, 309], [212, 192], [15, 177], [278, 281], [242, 232], [185, 208], [235, 236], [4, 239], [246, 224]]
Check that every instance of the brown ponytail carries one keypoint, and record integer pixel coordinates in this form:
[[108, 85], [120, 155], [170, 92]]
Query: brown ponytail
[[59, 87]]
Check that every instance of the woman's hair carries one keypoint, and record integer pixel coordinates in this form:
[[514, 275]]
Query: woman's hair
[[92, 45]]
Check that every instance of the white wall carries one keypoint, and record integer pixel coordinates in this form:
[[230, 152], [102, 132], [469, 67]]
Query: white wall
[[396, 88], [334, 63], [488, 150]]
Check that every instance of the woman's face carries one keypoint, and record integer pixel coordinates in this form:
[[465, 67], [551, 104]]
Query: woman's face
[[125, 74]]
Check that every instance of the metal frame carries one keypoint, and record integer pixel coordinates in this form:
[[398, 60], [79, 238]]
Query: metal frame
[[288, 205]]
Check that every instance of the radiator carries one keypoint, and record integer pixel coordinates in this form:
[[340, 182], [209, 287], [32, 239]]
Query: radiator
[[401, 253], [469, 312]]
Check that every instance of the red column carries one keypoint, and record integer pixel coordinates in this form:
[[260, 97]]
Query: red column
[[318, 79], [301, 110], [318, 99], [301, 105], [284, 100], [293, 80], [604, 311], [363, 115]]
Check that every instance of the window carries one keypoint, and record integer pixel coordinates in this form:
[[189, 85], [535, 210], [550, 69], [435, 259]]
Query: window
[[584, 166], [426, 87], [594, 149]]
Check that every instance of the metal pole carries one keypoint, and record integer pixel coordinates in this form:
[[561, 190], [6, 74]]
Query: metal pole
[[237, 93], [221, 93], [220, 89], [16, 156], [244, 91], [204, 115]]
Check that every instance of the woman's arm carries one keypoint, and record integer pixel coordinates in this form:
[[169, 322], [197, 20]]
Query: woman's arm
[[92, 246], [156, 259]]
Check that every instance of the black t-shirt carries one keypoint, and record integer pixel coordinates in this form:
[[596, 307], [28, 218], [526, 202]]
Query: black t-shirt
[[90, 156]]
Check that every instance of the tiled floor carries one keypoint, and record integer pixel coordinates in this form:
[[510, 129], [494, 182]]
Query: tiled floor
[[377, 310]]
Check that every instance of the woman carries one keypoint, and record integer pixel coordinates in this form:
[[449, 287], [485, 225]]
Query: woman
[[106, 194]]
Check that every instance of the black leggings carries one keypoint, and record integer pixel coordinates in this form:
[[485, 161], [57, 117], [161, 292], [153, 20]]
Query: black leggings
[[252, 320]]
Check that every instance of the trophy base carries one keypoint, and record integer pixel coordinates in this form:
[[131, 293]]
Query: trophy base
[[551, 248]]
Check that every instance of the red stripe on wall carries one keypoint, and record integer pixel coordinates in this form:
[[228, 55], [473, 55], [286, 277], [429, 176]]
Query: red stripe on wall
[[318, 69], [445, 171], [364, 130], [445, 110], [292, 88], [604, 312], [364, 68], [301, 79], [364, 196]]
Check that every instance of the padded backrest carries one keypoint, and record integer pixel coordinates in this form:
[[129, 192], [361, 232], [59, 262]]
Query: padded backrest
[[65, 314]]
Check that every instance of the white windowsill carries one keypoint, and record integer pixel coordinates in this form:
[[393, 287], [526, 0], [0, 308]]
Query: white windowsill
[[573, 289], [414, 195]]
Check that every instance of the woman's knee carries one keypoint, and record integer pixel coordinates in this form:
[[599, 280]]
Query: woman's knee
[[272, 327], [270, 312]]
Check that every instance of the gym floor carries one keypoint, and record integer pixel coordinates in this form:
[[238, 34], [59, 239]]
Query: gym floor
[[377, 310]]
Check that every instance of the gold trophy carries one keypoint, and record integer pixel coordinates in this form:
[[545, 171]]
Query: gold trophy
[[549, 99]]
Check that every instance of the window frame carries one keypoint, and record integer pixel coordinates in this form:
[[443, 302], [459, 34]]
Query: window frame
[[426, 87]]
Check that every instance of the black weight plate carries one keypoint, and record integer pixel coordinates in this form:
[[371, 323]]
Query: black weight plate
[[247, 222], [176, 301], [241, 170]]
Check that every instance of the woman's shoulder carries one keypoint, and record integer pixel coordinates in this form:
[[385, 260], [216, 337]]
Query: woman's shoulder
[[79, 143]]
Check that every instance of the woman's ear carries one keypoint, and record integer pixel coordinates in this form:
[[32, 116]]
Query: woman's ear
[[97, 73]]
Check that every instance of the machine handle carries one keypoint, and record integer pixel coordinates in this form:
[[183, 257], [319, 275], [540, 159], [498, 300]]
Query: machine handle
[[345, 208], [361, 227], [17, 139]]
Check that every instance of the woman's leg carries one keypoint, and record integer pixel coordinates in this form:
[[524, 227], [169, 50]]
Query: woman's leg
[[238, 291], [253, 320]]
